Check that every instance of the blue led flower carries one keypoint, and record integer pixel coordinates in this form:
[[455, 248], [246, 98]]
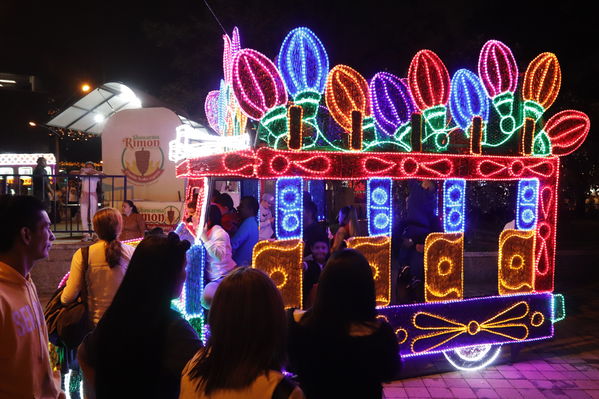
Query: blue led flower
[[391, 101], [303, 62], [467, 99]]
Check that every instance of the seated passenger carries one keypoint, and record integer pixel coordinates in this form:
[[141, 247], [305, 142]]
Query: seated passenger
[[338, 348], [230, 218], [218, 248], [141, 345], [247, 236], [244, 354], [348, 227], [313, 263]]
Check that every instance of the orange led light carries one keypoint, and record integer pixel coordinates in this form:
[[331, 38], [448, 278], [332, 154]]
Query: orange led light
[[516, 261], [444, 267], [542, 80], [282, 260], [347, 91], [377, 250]]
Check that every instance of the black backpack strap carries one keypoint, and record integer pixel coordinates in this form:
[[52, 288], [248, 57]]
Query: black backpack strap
[[283, 389]]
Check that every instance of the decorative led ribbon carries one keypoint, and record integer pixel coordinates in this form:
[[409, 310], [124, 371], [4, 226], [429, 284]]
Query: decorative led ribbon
[[429, 84], [393, 107], [499, 73], [348, 100], [261, 93], [494, 325], [467, 101], [542, 82]]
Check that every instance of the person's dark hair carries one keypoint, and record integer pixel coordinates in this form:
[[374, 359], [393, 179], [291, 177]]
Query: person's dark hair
[[108, 224], [320, 237], [132, 205], [311, 207], [225, 200], [345, 295], [214, 216], [16, 212], [131, 335], [40, 159], [247, 332], [251, 203], [156, 231]]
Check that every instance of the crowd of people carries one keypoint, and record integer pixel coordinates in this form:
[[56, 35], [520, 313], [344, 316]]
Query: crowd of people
[[333, 347]]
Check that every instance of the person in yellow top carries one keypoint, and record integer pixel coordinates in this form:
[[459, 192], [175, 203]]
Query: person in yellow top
[[246, 348], [134, 225], [25, 237]]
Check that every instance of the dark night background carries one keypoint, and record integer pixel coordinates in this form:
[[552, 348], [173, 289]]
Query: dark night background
[[173, 50]]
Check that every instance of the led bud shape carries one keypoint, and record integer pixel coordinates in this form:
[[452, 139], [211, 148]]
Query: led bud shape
[[467, 99], [257, 84], [567, 130], [303, 62], [211, 109], [392, 102], [346, 91], [429, 80], [542, 82]]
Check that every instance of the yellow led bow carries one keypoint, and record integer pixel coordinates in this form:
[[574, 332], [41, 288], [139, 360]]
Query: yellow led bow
[[492, 325]]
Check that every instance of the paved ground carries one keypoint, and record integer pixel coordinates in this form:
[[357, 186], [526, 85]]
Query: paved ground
[[565, 367]]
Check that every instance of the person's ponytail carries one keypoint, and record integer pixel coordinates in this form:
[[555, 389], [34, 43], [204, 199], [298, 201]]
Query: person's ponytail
[[108, 223]]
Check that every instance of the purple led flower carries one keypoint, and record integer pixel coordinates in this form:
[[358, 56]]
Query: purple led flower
[[391, 101]]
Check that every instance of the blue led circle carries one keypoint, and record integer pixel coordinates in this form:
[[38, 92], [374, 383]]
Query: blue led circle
[[454, 218], [528, 216], [379, 196], [381, 221], [289, 197], [290, 222], [528, 194], [455, 194]]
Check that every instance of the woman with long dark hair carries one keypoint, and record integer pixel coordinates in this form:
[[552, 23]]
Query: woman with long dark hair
[[245, 352], [141, 345], [134, 225], [339, 348]]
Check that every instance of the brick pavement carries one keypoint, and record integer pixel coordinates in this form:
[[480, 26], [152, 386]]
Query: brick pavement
[[565, 367]]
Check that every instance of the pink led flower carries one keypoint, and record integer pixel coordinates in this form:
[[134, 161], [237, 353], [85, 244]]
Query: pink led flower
[[231, 47], [257, 83], [497, 68], [211, 109], [428, 80]]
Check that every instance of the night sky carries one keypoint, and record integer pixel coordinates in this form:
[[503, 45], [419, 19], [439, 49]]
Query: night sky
[[172, 50]]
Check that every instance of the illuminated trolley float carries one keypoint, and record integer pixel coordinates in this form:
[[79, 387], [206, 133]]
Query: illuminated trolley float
[[317, 124]]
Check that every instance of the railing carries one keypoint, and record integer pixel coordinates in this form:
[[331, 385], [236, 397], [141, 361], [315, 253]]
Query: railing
[[67, 196]]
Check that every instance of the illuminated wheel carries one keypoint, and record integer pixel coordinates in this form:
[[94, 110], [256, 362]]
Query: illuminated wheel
[[474, 357]]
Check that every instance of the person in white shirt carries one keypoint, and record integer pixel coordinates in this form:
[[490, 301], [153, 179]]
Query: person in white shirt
[[89, 196], [107, 263], [218, 248], [266, 218]]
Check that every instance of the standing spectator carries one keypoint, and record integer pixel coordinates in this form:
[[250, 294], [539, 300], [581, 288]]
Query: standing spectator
[[25, 237], [141, 345], [41, 183], [89, 196], [338, 348], [348, 223], [312, 228], [218, 247], [247, 236], [73, 197], [134, 225], [230, 219], [267, 221], [107, 263], [246, 348]]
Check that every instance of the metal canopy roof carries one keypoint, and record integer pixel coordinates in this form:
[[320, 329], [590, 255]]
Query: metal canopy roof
[[90, 112]]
